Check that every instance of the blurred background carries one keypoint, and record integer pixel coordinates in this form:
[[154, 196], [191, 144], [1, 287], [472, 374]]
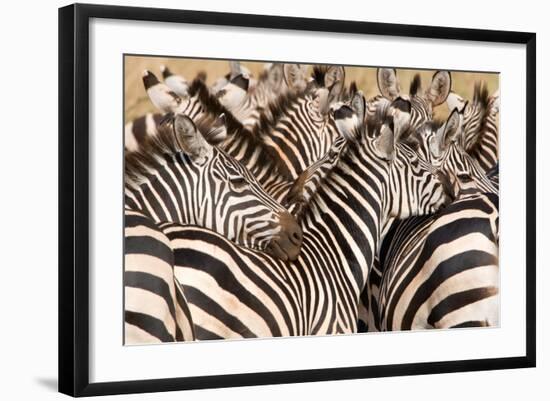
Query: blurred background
[[137, 103]]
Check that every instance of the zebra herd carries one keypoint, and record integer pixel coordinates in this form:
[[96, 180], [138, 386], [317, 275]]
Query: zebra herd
[[289, 204]]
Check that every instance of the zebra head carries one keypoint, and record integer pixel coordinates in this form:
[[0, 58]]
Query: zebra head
[[178, 176], [325, 85], [447, 152], [421, 101], [409, 183]]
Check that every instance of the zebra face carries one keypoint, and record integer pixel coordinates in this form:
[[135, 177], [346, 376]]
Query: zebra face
[[447, 153], [249, 215], [177, 176]]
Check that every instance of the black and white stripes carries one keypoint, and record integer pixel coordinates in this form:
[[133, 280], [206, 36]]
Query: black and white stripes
[[392, 219]]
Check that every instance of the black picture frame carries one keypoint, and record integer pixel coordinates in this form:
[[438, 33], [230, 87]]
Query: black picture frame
[[74, 194]]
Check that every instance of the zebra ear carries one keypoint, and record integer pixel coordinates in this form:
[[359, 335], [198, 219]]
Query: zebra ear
[[334, 81], [388, 85], [400, 110], [295, 77], [348, 123], [233, 94], [359, 105], [494, 101], [449, 132], [190, 139], [275, 75], [455, 101], [175, 82], [234, 69], [384, 144], [439, 88], [162, 97]]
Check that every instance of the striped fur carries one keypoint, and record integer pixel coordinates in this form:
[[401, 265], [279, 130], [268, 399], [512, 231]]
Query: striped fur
[[237, 292], [409, 260], [177, 176], [442, 272], [155, 308]]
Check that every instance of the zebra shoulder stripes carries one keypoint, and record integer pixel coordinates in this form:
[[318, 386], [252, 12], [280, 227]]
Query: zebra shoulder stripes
[[443, 272], [238, 292], [155, 308], [178, 176]]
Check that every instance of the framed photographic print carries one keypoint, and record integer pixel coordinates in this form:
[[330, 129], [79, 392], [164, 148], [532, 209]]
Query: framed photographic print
[[278, 194]]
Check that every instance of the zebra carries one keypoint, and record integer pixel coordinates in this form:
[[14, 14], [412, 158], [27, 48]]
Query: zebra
[[247, 102], [299, 126], [155, 308], [421, 102], [178, 176], [239, 292], [166, 101], [175, 82], [451, 159], [137, 130], [235, 69], [442, 272], [418, 283], [480, 124], [291, 133]]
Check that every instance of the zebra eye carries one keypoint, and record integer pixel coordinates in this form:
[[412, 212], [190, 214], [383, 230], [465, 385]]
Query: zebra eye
[[464, 176], [238, 183]]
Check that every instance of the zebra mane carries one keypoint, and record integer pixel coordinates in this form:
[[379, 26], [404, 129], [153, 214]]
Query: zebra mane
[[212, 105], [157, 150], [415, 85], [272, 113], [312, 178], [318, 74], [349, 92], [481, 94], [263, 75], [254, 138], [375, 120], [481, 99]]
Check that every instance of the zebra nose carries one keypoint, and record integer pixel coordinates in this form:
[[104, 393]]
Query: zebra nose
[[287, 244]]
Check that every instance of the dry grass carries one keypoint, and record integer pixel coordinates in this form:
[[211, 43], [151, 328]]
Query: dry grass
[[137, 103]]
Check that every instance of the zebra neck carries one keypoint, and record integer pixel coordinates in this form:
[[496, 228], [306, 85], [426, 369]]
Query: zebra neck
[[163, 195], [349, 204]]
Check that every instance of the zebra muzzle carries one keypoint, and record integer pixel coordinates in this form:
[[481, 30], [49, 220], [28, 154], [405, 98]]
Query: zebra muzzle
[[287, 244]]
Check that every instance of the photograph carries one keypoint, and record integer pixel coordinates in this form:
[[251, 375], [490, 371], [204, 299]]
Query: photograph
[[279, 198]]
